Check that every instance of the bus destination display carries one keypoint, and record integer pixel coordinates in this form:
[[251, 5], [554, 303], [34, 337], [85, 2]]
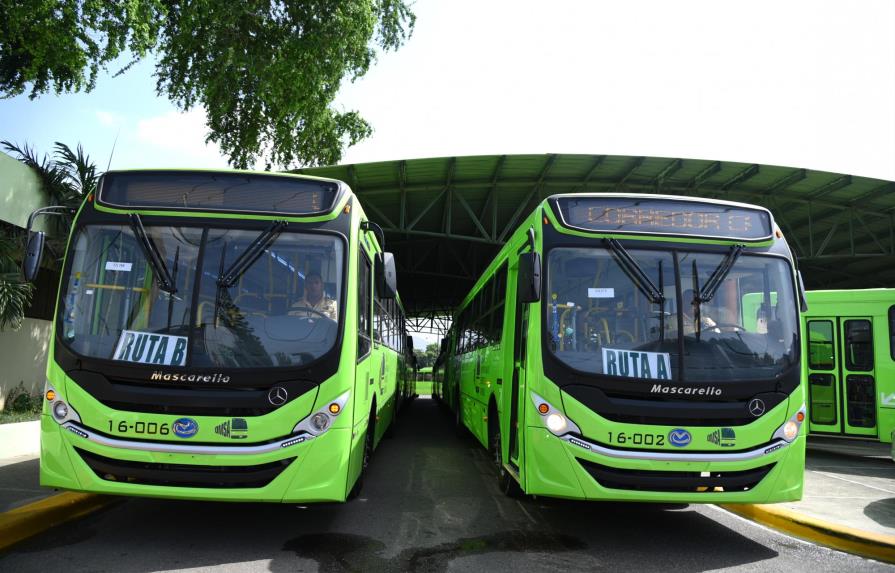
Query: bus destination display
[[215, 191], [664, 217]]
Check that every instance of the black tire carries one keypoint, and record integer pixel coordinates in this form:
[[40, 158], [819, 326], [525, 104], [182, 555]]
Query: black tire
[[506, 483], [368, 454]]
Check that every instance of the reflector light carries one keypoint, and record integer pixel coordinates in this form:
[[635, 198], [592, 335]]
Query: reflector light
[[800, 416], [334, 408], [51, 395], [543, 408]]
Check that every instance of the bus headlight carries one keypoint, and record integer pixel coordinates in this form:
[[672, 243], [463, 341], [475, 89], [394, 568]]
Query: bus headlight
[[789, 431], [553, 419], [60, 410], [556, 423], [321, 420]]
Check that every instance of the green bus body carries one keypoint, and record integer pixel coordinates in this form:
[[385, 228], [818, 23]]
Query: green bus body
[[581, 395], [262, 398], [850, 363]]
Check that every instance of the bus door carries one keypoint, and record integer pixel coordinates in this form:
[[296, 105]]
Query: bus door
[[841, 378], [858, 379], [517, 381]]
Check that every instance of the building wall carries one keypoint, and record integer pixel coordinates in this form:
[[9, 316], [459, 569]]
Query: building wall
[[23, 354], [20, 192]]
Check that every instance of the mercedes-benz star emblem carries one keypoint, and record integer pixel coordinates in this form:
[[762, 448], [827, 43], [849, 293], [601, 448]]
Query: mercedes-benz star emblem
[[277, 396], [756, 407]]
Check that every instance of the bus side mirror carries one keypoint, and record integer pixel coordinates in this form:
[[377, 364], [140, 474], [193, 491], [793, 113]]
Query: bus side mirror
[[444, 345], [386, 276], [529, 287], [34, 253]]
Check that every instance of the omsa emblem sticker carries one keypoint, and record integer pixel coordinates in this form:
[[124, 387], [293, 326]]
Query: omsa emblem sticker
[[185, 427], [679, 437], [724, 437]]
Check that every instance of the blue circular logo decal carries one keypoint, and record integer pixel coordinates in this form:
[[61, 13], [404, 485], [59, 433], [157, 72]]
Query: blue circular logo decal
[[679, 437], [185, 427]]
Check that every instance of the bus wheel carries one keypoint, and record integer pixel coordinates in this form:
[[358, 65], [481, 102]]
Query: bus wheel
[[506, 483], [368, 453]]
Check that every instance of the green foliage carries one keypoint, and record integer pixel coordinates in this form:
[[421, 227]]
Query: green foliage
[[21, 406], [15, 294], [427, 358], [265, 71]]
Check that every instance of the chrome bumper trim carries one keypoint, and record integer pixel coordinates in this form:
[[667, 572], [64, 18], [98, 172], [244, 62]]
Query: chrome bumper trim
[[767, 449], [184, 448]]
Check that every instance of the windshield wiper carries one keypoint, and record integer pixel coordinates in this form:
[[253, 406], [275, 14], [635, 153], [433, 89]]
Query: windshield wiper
[[150, 251], [248, 257], [708, 290], [635, 273]]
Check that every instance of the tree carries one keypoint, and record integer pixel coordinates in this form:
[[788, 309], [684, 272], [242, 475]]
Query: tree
[[266, 71], [66, 178], [427, 358]]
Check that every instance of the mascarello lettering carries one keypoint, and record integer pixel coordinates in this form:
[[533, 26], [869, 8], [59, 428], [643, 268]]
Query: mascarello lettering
[[686, 390]]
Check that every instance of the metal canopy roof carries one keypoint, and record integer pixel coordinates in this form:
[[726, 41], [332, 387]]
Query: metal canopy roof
[[445, 218]]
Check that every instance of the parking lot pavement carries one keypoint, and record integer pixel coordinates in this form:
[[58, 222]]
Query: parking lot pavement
[[19, 477]]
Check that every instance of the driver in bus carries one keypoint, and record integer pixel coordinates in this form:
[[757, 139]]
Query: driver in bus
[[315, 302], [706, 323]]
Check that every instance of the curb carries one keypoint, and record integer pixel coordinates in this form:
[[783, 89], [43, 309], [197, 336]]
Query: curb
[[864, 543], [29, 520]]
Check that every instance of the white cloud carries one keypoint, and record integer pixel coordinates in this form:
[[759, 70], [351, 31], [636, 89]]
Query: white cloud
[[179, 139], [109, 118]]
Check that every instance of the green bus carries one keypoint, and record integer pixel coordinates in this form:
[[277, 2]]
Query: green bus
[[850, 366], [220, 335], [636, 347]]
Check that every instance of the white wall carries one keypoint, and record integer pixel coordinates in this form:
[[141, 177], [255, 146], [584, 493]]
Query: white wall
[[23, 357]]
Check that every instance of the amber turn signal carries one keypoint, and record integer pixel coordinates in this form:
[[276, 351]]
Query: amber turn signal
[[800, 416], [51, 395], [334, 408], [543, 408]]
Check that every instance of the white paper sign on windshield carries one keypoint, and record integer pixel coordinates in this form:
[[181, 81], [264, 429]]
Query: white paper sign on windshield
[[636, 364], [151, 348], [601, 293]]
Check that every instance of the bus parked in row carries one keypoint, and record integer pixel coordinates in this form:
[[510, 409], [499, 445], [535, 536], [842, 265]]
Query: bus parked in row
[[220, 335], [850, 363], [636, 347]]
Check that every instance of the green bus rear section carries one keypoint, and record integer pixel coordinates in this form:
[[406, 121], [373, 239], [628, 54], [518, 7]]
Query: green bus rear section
[[321, 469], [476, 387], [850, 363]]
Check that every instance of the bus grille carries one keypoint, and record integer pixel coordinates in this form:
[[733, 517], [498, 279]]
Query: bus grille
[[658, 412], [181, 475], [675, 481]]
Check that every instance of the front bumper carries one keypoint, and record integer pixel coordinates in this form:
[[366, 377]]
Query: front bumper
[[579, 469], [74, 457]]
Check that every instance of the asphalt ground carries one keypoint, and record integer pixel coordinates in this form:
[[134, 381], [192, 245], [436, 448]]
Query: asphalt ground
[[430, 503]]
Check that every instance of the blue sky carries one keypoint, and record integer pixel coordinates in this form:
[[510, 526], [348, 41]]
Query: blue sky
[[805, 83]]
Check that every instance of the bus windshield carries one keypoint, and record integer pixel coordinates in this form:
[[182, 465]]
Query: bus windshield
[[601, 320], [280, 309]]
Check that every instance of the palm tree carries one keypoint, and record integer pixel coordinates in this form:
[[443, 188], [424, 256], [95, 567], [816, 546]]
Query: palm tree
[[67, 178]]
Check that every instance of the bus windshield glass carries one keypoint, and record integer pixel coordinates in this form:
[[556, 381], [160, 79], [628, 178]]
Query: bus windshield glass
[[281, 309], [600, 321]]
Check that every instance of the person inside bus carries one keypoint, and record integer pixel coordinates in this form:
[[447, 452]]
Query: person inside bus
[[315, 299], [706, 322]]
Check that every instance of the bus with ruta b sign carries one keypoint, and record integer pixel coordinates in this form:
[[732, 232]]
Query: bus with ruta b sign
[[220, 335]]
